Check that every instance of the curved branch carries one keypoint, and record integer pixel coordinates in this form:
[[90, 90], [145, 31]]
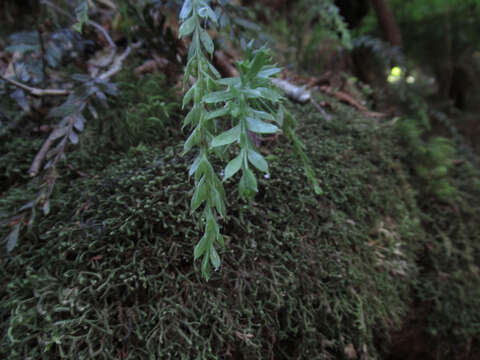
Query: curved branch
[[35, 91], [37, 162]]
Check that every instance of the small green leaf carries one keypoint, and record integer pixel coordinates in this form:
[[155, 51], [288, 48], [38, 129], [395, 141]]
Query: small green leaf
[[263, 115], [219, 203], [77, 27], [200, 247], [268, 72], [280, 116], [270, 94], [248, 184], [79, 122], [217, 96], [258, 62], [188, 95], [206, 41], [191, 117], [233, 166], [73, 137], [227, 137], [12, 238], [206, 265], [204, 167], [213, 70], [186, 9], [220, 239], [199, 196], [191, 141], [207, 12], [231, 81], [198, 92], [219, 186], [316, 188], [217, 113], [192, 51], [214, 258], [260, 127], [194, 166], [257, 160], [187, 27], [252, 93], [250, 179]]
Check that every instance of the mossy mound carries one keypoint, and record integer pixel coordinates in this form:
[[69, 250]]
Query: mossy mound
[[15, 158], [449, 286], [110, 273]]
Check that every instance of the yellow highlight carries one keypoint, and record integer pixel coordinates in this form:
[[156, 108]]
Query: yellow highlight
[[396, 71]]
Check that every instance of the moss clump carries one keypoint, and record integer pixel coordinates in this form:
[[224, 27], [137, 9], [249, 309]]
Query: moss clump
[[110, 272], [145, 111], [450, 264], [16, 155], [431, 160]]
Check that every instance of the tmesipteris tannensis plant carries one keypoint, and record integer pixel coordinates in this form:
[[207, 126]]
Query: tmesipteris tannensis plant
[[247, 102]]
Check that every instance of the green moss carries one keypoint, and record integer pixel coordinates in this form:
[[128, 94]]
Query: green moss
[[146, 110], [110, 272], [111, 269], [16, 156], [450, 282]]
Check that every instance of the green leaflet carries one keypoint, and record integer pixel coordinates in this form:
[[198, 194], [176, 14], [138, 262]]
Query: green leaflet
[[214, 258], [207, 12], [186, 9], [269, 72], [191, 141], [234, 81], [206, 41], [263, 115], [200, 247], [187, 27], [233, 166], [227, 137], [188, 96], [200, 195], [260, 127], [218, 96], [217, 113], [248, 184], [257, 160]]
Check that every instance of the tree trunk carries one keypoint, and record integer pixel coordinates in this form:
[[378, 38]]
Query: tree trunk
[[391, 31]]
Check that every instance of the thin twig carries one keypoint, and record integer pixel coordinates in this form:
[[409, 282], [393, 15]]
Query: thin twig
[[320, 110], [37, 162], [104, 32], [117, 64], [294, 92], [35, 91]]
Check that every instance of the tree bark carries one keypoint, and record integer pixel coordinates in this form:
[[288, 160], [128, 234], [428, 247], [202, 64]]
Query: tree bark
[[391, 31]]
